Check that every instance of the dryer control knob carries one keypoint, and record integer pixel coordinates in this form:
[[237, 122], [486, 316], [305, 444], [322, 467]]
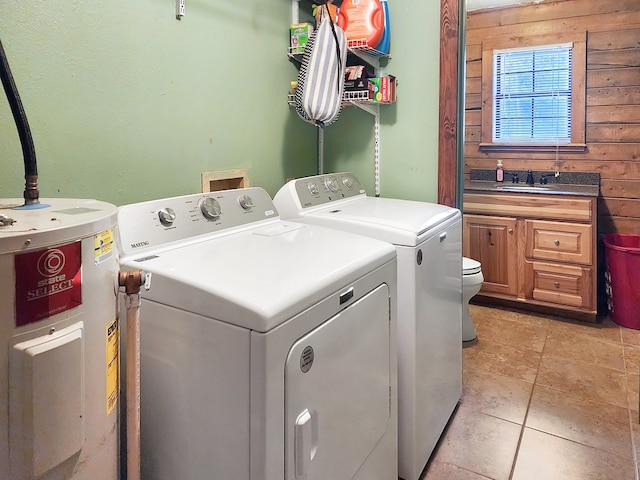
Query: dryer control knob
[[246, 202], [166, 216], [210, 208], [347, 182], [331, 184]]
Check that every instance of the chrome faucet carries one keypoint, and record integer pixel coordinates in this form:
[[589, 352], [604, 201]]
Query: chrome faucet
[[530, 177]]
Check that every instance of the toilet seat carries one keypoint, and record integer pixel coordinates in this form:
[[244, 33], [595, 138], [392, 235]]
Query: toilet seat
[[470, 266]]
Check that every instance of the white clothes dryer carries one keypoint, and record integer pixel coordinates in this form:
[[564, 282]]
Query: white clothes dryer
[[428, 239], [268, 348]]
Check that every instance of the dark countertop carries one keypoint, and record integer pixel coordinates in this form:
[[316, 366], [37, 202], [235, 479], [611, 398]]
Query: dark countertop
[[548, 189], [585, 184]]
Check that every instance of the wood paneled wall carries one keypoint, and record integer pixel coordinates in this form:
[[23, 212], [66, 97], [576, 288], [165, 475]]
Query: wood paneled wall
[[612, 97]]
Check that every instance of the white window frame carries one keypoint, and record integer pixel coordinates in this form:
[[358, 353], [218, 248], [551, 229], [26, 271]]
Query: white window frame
[[499, 77]]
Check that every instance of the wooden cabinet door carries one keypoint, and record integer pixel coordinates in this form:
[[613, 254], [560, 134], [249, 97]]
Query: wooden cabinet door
[[492, 242]]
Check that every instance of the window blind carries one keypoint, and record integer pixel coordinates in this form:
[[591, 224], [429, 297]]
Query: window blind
[[532, 95]]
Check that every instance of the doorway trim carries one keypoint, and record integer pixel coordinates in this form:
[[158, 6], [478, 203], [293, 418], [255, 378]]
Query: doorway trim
[[448, 141]]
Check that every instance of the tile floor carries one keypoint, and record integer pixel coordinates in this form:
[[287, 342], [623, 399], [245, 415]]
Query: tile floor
[[544, 399]]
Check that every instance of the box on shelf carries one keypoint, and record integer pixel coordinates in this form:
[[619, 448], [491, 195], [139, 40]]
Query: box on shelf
[[356, 80], [383, 89], [356, 85], [300, 33]]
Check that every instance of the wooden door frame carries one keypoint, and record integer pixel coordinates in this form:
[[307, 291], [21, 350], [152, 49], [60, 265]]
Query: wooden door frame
[[448, 105]]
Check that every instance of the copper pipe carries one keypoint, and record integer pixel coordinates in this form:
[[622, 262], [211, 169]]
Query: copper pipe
[[132, 281]]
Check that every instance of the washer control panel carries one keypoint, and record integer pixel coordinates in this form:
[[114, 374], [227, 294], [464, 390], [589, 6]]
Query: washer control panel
[[148, 225], [327, 188]]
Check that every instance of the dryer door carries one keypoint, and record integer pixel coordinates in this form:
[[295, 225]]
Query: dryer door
[[337, 388]]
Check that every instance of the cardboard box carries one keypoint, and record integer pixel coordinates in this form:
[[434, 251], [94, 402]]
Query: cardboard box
[[300, 33], [356, 83], [383, 89]]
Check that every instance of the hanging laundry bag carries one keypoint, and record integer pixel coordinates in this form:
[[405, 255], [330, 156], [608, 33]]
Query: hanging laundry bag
[[320, 87]]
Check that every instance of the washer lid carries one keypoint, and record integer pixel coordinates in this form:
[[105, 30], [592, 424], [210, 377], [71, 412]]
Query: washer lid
[[401, 222], [258, 278], [470, 266]]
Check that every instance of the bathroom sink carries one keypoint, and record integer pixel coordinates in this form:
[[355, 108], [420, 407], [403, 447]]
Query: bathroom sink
[[548, 188], [523, 188]]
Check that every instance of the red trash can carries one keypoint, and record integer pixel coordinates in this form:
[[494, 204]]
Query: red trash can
[[622, 253]]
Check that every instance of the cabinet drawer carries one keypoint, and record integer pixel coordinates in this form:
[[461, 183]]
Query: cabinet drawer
[[561, 284], [559, 241], [554, 207]]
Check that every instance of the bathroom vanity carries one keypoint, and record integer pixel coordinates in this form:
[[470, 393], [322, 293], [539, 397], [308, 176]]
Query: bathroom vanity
[[537, 245]]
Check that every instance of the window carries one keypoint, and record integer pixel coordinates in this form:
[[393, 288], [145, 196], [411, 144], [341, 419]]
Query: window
[[533, 96]]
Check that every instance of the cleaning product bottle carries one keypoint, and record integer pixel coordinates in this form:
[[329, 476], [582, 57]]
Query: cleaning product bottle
[[385, 41], [499, 172], [362, 21]]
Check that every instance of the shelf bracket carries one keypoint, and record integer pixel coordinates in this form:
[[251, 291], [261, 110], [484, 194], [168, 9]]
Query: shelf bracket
[[320, 151], [374, 110], [295, 11]]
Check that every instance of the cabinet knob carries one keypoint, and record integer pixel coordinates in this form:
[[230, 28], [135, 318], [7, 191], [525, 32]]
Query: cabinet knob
[[556, 284], [510, 230], [556, 242]]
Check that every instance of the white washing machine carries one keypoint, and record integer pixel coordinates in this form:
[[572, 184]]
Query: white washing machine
[[268, 348], [428, 239]]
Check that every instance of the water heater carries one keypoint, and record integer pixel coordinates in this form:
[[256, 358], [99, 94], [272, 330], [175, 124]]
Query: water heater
[[59, 385]]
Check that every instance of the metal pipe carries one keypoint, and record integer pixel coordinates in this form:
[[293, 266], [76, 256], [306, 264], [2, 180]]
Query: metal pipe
[[132, 281], [320, 151]]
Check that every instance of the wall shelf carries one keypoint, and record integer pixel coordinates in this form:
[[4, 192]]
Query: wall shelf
[[374, 59]]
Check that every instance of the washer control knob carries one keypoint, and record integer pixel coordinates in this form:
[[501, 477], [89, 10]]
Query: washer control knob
[[210, 208], [246, 202], [166, 216], [331, 184], [347, 182], [313, 188]]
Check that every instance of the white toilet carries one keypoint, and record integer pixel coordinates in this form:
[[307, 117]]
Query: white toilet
[[471, 283]]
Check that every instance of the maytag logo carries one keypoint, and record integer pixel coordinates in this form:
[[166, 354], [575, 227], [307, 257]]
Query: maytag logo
[[140, 244]]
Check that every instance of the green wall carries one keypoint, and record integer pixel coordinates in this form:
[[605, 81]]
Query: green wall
[[409, 128], [126, 103]]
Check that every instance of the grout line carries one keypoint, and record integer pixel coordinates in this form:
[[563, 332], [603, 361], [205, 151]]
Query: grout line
[[631, 419], [526, 414], [633, 446]]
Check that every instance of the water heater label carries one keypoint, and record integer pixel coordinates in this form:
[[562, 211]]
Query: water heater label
[[48, 282], [112, 365], [103, 246]]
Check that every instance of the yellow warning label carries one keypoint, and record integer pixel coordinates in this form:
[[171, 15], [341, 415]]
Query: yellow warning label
[[103, 246], [113, 355]]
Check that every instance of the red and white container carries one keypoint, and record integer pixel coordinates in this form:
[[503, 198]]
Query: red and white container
[[362, 21]]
